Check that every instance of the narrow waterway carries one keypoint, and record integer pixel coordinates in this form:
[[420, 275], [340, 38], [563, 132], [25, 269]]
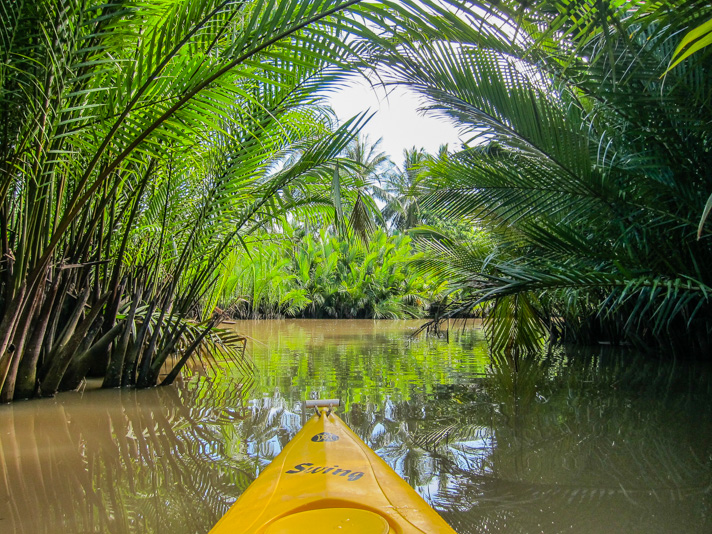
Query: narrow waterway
[[591, 441]]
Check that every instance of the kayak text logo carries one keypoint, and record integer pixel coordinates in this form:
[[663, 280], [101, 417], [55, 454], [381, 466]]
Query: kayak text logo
[[325, 436], [315, 469]]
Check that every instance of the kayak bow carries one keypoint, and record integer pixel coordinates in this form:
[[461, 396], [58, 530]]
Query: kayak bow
[[327, 480]]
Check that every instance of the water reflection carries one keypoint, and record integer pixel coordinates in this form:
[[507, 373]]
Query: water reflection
[[605, 443], [162, 460], [591, 442]]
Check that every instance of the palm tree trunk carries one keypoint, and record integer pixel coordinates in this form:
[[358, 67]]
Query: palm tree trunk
[[112, 378], [27, 373], [7, 330], [21, 333], [58, 364]]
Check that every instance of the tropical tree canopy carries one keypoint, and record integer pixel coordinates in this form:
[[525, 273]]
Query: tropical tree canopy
[[402, 190], [317, 274], [140, 142], [590, 168]]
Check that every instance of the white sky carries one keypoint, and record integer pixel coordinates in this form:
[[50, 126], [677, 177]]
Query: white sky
[[397, 120]]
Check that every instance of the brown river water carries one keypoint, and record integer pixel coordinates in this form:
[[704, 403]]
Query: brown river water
[[587, 441]]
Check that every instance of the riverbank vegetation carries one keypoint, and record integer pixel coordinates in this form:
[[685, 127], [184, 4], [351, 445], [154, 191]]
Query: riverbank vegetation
[[147, 147], [140, 143], [324, 276], [360, 263], [588, 162]]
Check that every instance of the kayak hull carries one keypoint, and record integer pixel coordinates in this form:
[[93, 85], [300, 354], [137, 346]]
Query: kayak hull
[[327, 480]]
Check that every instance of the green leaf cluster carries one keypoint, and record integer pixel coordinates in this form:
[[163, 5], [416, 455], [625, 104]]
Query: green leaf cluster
[[140, 142], [318, 274], [590, 170]]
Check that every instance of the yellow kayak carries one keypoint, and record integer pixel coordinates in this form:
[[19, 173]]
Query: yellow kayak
[[327, 480]]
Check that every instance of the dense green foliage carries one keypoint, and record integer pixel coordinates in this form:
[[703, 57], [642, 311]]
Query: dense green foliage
[[299, 274], [590, 168], [143, 145], [139, 143], [361, 264]]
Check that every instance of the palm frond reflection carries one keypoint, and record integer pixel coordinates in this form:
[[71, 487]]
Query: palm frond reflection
[[151, 460]]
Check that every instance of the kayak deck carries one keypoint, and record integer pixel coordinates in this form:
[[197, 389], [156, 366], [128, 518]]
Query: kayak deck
[[327, 480]]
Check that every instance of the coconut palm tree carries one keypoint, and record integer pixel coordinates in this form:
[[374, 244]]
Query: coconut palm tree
[[365, 166], [402, 190]]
